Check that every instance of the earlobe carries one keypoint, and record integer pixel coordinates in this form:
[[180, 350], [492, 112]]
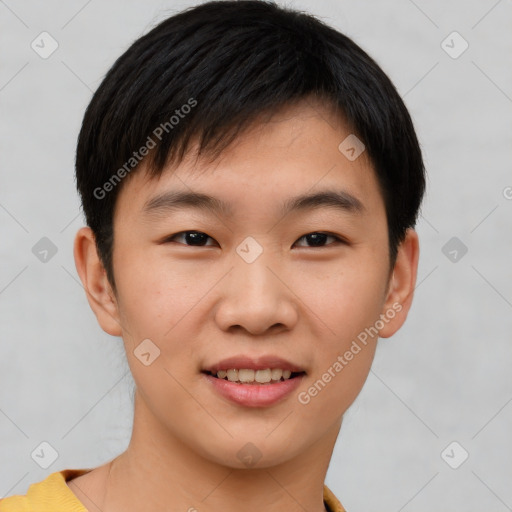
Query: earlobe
[[401, 287], [99, 293]]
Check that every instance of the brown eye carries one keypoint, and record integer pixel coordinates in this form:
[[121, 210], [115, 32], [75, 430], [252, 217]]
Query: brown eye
[[191, 238], [318, 239]]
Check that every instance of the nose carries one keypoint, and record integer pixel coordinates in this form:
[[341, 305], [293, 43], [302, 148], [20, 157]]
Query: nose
[[256, 298]]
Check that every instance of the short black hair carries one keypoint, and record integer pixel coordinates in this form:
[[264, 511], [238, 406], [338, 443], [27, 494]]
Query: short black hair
[[207, 73]]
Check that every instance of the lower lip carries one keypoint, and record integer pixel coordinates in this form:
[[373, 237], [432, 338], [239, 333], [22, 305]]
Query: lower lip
[[254, 395]]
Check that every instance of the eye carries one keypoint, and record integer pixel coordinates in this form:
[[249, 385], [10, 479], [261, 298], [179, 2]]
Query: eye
[[192, 238], [199, 239], [318, 239]]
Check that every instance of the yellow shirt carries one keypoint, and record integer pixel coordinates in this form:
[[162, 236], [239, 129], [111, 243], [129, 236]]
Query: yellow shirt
[[53, 495]]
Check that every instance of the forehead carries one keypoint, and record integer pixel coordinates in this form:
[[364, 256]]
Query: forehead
[[292, 161]]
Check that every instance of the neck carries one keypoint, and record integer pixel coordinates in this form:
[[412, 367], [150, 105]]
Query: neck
[[160, 472]]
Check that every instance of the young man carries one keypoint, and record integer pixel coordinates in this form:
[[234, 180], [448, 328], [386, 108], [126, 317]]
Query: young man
[[250, 180]]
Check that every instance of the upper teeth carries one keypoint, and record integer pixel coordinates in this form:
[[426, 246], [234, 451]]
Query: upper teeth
[[261, 376]]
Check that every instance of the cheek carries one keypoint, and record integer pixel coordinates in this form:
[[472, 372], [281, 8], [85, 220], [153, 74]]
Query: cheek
[[161, 301], [334, 388], [155, 294], [342, 300], [347, 304], [154, 305]]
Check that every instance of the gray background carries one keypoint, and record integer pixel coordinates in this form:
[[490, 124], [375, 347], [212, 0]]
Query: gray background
[[444, 377]]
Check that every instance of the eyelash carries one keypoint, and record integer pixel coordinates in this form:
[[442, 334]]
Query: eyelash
[[338, 239]]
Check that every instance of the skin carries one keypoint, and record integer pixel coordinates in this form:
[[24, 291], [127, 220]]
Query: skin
[[202, 303]]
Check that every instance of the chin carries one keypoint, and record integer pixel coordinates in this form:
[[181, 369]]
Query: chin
[[249, 452]]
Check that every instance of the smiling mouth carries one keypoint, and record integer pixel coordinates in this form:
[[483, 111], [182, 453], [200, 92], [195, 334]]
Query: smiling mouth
[[255, 377]]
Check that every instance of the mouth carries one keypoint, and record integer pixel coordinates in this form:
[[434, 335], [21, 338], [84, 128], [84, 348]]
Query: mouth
[[248, 376], [259, 382]]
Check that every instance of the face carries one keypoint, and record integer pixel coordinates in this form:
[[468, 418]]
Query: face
[[265, 282]]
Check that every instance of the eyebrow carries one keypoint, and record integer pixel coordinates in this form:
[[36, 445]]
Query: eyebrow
[[170, 201]]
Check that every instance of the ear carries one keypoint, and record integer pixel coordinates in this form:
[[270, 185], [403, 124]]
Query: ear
[[94, 280], [401, 285]]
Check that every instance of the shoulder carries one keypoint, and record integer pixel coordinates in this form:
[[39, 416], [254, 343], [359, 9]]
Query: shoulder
[[49, 495], [332, 504]]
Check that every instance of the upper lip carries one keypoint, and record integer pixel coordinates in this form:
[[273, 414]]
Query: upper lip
[[256, 363]]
